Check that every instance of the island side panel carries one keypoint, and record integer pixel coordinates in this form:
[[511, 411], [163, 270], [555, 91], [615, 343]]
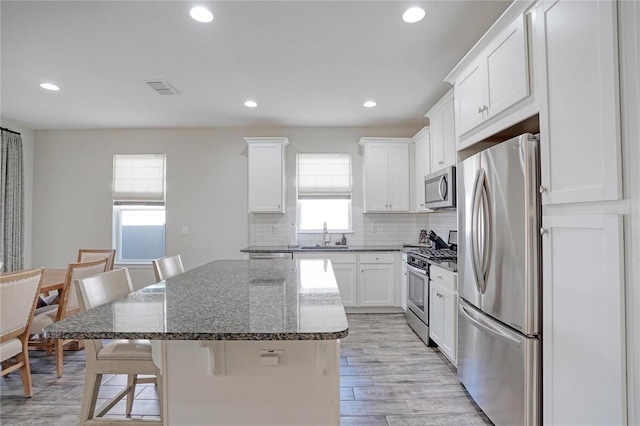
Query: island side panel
[[303, 389]]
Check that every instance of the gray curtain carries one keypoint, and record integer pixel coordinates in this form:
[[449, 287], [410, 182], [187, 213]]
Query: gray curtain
[[11, 201]]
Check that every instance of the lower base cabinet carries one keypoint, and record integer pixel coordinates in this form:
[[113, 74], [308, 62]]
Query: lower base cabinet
[[443, 312], [365, 280], [377, 281]]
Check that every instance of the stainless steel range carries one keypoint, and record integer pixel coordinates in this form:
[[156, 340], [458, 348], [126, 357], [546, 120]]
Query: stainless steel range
[[418, 287]]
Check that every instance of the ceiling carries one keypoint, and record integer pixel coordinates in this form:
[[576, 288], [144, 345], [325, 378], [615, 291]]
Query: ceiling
[[306, 63]]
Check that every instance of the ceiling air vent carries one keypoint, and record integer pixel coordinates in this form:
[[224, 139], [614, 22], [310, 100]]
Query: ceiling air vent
[[162, 87]]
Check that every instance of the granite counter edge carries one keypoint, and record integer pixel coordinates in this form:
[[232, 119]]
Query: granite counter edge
[[333, 335]]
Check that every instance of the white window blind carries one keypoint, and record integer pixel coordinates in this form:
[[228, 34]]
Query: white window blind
[[138, 177], [324, 175]]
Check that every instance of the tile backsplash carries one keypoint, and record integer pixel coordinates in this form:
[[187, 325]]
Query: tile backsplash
[[368, 229]]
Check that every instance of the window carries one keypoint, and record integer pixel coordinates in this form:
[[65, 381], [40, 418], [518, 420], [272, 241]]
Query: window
[[324, 192], [138, 207]]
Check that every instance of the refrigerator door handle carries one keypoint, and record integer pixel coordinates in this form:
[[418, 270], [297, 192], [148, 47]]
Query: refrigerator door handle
[[478, 276], [486, 233], [479, 322]]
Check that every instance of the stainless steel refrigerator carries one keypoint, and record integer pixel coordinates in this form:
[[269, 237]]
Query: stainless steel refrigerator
[[499, 346]]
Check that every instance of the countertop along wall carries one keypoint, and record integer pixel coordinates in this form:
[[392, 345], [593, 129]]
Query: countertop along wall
[[206, 186]]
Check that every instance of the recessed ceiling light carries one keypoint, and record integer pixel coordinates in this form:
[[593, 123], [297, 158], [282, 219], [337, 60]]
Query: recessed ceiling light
[[370, 104], [49, 86], [250, 104], [201, 14], [412, 15]]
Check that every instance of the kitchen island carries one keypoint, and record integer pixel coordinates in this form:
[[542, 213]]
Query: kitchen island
[[237, 341]]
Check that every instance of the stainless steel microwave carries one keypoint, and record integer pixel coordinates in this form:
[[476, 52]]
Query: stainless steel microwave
[[440, 189]]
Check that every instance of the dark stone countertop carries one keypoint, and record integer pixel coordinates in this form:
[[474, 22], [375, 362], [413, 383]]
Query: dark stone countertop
[[223, 300], [314, 249]]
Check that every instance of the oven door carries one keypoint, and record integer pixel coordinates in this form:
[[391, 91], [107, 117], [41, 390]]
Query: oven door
[[418, 293]]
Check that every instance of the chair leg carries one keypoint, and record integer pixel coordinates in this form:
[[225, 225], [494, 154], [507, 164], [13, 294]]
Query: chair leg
[[25, 372], [59, 354], [92, 383], [132, 380], [160, 393]]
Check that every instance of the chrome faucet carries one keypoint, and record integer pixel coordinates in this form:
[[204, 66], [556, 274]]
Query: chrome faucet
[[325, 241]]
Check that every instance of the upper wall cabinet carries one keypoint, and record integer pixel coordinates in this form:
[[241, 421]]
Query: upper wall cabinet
[[266, 174], [443, 136], [492, 85], [422, 167], [386, 174], [579, 105]]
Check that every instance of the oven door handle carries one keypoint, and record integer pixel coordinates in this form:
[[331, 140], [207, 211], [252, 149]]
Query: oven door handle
[[416, 270]]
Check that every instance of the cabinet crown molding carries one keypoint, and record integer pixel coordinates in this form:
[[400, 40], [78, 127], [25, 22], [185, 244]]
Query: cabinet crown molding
[[442, 102], [366, 139], [268, 139]]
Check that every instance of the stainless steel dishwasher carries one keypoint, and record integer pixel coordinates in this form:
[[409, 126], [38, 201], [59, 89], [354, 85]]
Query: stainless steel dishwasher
[[275, 256]]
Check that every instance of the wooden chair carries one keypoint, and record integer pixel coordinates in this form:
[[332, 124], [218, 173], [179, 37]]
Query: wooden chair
[[18, 298], [121, 356], [85, 255], [167, 267], [67, 305]]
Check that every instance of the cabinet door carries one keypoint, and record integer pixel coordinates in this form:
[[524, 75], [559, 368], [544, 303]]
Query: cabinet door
[[266, 177], [376, 177], [437, 141], [470, 94], [398, 177], [449, 155], [376, 285], [420, 173], [436, 314], [346, 278], [507, 68], [579, 109], [449, 342], [583, 320]]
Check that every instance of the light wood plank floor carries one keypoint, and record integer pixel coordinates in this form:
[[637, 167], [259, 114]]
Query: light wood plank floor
[[388, 377]]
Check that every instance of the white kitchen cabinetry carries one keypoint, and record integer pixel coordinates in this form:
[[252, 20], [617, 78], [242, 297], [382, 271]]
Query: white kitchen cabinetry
[[443, 311], [492, 85], [266, 174], [443, 137], [422, 166], [345, 269], [583, 343], [376, 283], [366, 280], [386, 174], [579, 106], [496, 80]]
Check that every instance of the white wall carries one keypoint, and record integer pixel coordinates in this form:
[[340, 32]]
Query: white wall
[[27, 152], [206, 186]]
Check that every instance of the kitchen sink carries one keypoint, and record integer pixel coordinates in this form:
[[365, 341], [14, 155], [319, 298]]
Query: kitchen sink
[[322, 248]]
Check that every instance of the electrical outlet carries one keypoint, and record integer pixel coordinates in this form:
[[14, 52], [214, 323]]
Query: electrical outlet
[[274, 230], [374, 229], [185, 231]]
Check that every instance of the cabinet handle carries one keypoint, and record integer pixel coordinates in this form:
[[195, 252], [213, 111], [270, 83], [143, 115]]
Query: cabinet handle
[[543, 231], [485, 108], [480, 110], [543, 189], [440, 162]]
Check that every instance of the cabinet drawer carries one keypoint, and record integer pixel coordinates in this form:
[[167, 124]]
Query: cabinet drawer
[[376, 258], [444, 278]]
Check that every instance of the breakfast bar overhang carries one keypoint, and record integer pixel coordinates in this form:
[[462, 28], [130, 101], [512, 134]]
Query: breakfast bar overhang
[[237, 341]]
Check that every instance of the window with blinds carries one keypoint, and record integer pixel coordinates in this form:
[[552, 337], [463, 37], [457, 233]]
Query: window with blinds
[[138, 178], [324, 186], [138, 189]]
